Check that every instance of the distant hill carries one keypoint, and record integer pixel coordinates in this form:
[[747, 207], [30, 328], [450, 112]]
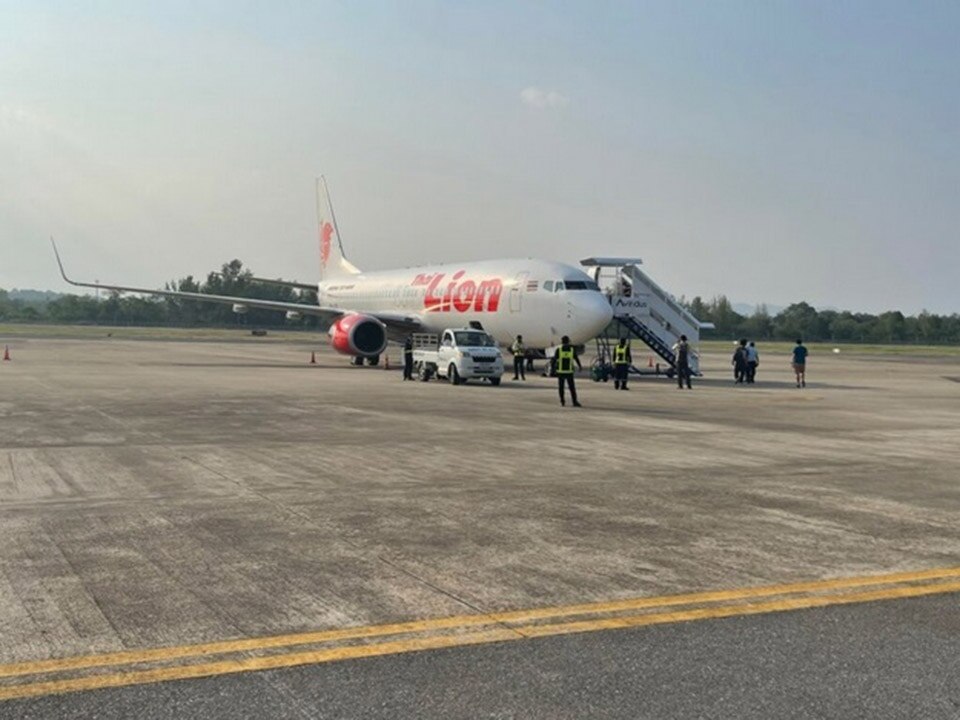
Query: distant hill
[[34, 297]]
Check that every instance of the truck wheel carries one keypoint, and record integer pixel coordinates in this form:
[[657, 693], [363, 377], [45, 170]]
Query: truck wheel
[[494, 381], [423, 372], [453, 375]]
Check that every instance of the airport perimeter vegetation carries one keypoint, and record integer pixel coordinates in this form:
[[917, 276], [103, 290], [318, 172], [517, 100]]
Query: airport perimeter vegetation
[[26, 331], [797, 320]]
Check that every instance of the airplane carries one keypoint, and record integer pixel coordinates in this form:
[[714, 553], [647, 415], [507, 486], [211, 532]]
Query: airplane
[[538, 299]]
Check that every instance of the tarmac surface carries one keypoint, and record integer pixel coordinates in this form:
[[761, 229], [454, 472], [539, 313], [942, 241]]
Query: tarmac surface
[[879, 660], [157, 495]]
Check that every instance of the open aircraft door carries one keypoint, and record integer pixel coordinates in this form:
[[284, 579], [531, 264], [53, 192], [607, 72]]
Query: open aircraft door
[[516, 292]]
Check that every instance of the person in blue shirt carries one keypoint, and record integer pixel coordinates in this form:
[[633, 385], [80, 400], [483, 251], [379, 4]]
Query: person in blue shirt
[[800, 363]]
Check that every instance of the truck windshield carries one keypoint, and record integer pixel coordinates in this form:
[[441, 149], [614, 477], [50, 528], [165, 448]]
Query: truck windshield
[[474, 339]]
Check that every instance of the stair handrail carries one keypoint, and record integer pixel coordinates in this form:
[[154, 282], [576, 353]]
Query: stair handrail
[[666, 297]]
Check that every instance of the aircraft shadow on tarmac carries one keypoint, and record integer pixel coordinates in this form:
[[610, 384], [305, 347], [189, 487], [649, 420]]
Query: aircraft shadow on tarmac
[[712, 382], [279, 366], [715, 382]]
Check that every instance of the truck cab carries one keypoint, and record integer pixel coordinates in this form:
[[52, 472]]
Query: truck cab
[[457, 354]]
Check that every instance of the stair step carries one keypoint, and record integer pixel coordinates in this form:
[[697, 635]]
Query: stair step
[[649, 337]]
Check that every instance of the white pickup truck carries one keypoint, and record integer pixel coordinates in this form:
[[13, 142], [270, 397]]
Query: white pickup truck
[[459, 354]]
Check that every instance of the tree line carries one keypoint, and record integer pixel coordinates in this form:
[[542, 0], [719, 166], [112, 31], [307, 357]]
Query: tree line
[[802, 320], [798, 320], [112, 308]]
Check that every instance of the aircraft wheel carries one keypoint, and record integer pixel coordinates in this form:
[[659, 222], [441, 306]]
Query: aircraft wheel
[[357, 361], [375, 360], [494, 381]]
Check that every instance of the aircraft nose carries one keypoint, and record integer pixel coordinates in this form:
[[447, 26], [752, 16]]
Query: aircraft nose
[[598, 314]]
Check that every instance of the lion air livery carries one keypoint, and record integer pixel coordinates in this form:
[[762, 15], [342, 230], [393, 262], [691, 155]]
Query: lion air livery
[[538, 299]]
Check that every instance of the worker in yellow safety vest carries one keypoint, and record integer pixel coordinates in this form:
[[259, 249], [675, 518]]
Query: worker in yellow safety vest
[[519, 355], [563, 362], [622, 360]]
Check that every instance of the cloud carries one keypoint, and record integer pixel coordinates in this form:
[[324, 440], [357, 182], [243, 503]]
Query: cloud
[[539, 98]]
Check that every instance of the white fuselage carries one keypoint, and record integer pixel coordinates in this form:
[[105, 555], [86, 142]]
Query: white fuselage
[[505, 297]]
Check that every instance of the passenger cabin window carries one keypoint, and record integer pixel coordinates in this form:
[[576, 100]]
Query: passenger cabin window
[[548, 285]]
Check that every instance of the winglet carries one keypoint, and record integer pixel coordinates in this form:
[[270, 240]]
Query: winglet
[[64, 272], [60, 262]]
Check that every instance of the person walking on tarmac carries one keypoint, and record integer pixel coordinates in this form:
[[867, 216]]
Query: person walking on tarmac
[[753, 361], [519, 356], [800, 363], [739, 362], [682, 350], [408, 359], [622, 359], [563, 360]]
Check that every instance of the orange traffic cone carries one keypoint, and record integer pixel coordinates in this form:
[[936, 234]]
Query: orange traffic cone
[[6, 352], [650, 364], [313, 358]]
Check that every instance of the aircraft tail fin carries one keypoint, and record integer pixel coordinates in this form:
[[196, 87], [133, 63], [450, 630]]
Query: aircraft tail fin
[[333, 264]]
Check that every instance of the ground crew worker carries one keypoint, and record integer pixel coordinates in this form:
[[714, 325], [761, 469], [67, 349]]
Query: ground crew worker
[[519, 355], [622, 359], [682, 349], [408, 359], [563, 360]]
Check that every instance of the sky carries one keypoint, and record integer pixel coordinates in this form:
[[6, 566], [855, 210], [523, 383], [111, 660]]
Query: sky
[[769, 151]]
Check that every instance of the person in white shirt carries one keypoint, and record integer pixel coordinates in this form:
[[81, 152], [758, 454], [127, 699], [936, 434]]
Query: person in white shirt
[[753, 360], [683, 353]]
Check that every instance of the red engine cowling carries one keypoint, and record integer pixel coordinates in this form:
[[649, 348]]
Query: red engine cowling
[[358, 335]]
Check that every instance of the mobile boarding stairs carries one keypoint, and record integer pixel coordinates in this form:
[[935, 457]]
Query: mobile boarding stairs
[[644, 312]]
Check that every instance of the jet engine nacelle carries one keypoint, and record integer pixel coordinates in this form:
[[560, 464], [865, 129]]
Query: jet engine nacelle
[[358, 335]]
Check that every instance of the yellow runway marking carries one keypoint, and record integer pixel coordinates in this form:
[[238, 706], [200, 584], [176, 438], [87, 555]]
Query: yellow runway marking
[[458, 621], [230, 667], [506, 626], [725, 611]]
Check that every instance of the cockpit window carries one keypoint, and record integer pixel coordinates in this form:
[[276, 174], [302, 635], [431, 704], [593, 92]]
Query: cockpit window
[[548, 285], [559, 286], [582, 285]]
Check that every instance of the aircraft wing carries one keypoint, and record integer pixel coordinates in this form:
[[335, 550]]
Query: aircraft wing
[[398, 324], [283, 283]]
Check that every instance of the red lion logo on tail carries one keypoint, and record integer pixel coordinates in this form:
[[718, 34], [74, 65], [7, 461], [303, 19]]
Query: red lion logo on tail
[[326, 232]]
